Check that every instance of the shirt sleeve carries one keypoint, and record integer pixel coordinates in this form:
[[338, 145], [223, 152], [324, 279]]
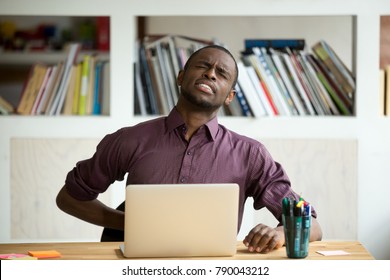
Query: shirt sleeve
[[93, 176], [270, 183]]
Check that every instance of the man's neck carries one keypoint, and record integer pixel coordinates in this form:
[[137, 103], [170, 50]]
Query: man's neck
[[194, 119]]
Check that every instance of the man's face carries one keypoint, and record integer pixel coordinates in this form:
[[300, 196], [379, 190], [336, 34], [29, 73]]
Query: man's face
[[207, 82]]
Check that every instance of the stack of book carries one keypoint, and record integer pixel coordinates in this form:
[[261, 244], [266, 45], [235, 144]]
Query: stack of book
[[281, 78], [276, 78], [6, 107], [75, 86]]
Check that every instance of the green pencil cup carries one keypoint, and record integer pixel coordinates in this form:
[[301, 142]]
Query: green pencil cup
[[297, 235]]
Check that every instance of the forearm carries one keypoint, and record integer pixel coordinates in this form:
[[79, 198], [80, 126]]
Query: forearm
[[93, 211]]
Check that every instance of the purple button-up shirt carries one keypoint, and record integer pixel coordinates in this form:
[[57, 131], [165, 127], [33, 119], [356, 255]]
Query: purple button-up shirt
[[156, 152]]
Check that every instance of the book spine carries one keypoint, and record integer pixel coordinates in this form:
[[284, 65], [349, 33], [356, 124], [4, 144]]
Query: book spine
[[249, 91], [297, 83], [284, 75], [312, 91], [325, 57], [283, 95], [76, 97], [298, 44], [84, 85], [245, 108], [42, 90], [97, 90]]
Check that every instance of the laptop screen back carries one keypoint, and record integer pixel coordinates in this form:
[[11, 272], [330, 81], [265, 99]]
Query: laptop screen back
[[181, 220]]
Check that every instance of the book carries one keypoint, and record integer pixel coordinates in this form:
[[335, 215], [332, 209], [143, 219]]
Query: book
[[335, 100], [314, 75], [69, 96], [97, 90], [26, 89], [157, 83], [77, 86], [140, 102], [312, 88], [161, 57], [6, 107], [249, 90], [91, 85], [280, 44], [186, 45], [84, 84], [47, 91], [258, 76], [286, 78], [147, 86], [172, 67], [51, 92], [333, 63], [233, 109], [295, 72], [72, 53], [268, 83], [167, 65], [344, 70], [106, 88], [240, 96], [32, 88], [162, 71], [343, 103], [284, 95], [302, 83], [45, 84]]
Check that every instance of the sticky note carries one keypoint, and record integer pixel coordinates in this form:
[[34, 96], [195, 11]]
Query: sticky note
[[333, 253], [44, 254], [16, 257]]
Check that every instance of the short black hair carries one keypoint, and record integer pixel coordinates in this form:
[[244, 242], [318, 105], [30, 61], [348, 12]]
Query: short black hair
[[219, 47]]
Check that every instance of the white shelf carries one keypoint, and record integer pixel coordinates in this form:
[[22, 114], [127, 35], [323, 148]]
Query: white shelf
[[96, 126], [28, 58]]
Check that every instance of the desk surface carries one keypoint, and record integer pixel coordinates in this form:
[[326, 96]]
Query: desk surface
[[111, 251]]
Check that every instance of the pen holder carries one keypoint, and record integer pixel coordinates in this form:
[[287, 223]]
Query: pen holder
[[297, 235]]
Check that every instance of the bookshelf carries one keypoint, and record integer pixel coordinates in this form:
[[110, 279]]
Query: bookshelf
[[344, 159]]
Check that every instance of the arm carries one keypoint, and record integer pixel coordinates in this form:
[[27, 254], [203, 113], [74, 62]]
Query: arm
[[92, 211], [263, 239]]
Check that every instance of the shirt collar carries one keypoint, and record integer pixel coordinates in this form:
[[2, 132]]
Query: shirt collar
[[174, 120]]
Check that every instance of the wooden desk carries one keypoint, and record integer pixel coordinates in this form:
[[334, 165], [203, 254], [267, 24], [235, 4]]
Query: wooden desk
[[111, 251]]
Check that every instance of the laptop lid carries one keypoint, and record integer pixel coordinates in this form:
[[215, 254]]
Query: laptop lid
[[181, 220]]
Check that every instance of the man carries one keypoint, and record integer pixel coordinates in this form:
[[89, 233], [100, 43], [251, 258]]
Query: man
[[187, 146]]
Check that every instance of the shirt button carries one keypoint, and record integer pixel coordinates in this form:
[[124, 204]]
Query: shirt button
[[182, 180], [189, 153]]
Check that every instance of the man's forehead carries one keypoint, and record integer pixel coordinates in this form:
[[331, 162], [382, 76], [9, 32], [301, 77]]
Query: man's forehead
[[214, 55]]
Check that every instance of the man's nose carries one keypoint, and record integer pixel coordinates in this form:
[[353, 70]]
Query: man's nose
[[210, 73]]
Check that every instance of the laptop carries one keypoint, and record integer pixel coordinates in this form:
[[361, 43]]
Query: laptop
[[180, 220]]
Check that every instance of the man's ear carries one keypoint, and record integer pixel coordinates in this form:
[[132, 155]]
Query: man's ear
[[230, 97], [179, 78]]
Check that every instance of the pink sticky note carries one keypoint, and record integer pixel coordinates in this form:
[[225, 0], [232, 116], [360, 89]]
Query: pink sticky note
[[12, 256]]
